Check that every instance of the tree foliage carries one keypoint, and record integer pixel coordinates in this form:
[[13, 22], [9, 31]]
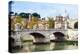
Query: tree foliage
[[24, 15], [51, 23], [36, 15], [18, 19]]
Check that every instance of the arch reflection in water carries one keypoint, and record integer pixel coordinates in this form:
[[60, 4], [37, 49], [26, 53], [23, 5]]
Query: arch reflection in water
[[63, 45], [30, 47], [42, 47]]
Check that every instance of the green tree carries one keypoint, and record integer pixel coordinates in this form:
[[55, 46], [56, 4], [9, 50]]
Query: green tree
[[24, 15], [18, 19], [36, 15], [16, 14], [51, 23], [34, 21]]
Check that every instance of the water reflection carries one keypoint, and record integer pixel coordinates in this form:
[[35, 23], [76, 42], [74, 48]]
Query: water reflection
[[42, 47], [57, 46], [30, 47], [63, 45]]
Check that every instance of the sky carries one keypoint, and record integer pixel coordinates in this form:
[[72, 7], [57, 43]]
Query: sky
[[46, 9]]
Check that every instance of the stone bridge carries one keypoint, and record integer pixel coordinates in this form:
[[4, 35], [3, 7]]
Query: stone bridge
[[42, 35]]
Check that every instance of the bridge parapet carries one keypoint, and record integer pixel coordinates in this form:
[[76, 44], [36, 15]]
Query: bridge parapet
[[25, 30]]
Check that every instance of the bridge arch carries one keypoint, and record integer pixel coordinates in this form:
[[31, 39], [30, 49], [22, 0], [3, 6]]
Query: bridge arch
[[59, 36], [76, 25], [38, 37]]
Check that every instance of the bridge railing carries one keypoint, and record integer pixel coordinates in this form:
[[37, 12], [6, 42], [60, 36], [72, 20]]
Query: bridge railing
[[24, 30]]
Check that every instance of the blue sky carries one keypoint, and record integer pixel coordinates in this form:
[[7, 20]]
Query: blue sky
[[45, 9]]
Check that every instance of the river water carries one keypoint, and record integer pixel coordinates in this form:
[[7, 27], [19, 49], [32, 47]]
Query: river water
[[30, 47]]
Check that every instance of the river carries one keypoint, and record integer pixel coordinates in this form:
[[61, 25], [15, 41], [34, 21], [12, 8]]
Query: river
[[52, 46]]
